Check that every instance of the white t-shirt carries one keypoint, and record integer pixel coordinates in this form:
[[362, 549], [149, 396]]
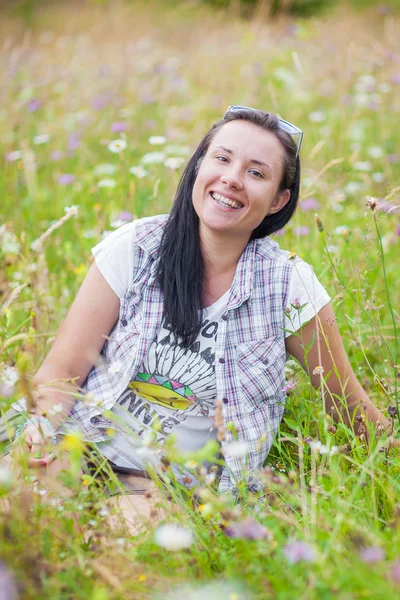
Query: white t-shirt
[[175, 385], [114, 258]]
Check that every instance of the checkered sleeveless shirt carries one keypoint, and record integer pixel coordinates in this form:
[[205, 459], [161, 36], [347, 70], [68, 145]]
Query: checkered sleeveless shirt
[[250, 350]]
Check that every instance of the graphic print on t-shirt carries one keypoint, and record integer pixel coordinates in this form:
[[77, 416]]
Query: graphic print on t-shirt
[[175, 382]]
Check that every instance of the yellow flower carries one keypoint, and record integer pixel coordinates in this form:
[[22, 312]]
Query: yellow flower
[[78, 270], [73, 442], [291, 255], [142, 577], [86, 480]]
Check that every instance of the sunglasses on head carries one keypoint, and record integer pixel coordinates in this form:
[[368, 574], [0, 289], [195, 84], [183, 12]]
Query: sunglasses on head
[[295, 133]]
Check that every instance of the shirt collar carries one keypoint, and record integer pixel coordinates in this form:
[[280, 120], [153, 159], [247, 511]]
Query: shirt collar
[[243, 280]]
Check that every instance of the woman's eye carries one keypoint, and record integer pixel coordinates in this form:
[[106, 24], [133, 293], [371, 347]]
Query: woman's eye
[[256, 173], [222, 158]]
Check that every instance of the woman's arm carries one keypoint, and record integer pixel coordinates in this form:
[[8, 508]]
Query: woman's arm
[[328, 352], [78, 343]]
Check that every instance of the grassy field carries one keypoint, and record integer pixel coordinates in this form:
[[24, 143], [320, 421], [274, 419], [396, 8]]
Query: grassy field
[[101, 105]]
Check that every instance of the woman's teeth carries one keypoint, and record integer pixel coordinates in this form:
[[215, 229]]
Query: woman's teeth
[[225, 201]]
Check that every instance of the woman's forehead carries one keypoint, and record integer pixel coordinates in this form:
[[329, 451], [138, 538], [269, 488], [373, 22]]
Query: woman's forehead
[[245, 139]]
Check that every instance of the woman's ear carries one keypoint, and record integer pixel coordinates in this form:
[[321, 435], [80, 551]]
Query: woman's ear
[[280, 201]]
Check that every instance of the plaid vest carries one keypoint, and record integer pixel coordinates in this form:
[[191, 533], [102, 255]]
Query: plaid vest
[[250, 350]]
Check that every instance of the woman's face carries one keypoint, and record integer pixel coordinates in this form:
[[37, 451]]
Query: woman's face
[[238, 180]]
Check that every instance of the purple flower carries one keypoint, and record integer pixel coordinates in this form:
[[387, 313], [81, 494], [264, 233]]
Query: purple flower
[[247, 529], [372, 555], [8, 587], [289, 387], [125, 216], [101, 101], [147, 98], [384, 10], [384, 206], [303, 230], [395, 78], [309, 204], [279, 232], [393, 158], [66, 179], [74, 140], [33, 105], [56, 155], [395, 571], [398, 229], [118, 126], [296, 551]]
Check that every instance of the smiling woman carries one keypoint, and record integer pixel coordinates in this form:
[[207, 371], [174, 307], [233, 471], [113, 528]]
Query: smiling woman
[[198, 309]]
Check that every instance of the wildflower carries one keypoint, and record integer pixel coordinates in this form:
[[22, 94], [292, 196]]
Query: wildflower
[[296, 303], [378, 177], [371, 203], [106, 183], [90, 399], [153, 158], [173, 537], [362, 165], [73, 442], [300, 231], [55, 409], [33, 105], [174, 162], [66, 179], [248, 529], [105, 169], [41, 139], [8, 380], [291, 255], [319, 223], [235, 449], [9, 243], [395, 571], [125, 216], [71, 210], [142, 578], [157, 140], [372, 555], [394, 158], [13, 156], [309, 204], [289, 387], [118, 126], [139, 172], [56, 155], [375, 152], [296, 551], [8, 586], [117, 146], [6, 476], [317, 116], [318, 370], [353, 187]]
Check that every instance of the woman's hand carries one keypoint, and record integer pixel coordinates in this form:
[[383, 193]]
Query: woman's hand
[[35, 439]]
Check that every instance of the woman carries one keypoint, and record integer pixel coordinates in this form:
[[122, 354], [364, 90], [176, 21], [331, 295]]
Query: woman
[[197, 307]]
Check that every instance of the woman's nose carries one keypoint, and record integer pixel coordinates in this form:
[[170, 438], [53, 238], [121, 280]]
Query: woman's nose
[[232, 177]]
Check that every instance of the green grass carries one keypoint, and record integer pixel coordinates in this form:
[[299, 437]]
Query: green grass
[[171, 72]]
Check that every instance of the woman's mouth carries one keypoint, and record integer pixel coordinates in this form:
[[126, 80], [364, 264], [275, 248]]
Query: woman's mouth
[[226, 202]]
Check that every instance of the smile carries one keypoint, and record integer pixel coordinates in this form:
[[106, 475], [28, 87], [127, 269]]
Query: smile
[[225, 201]]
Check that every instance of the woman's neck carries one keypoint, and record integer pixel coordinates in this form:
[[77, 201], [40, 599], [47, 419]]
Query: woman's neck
[[221, 253]]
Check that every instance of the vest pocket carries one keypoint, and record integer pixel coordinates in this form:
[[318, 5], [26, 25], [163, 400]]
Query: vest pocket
[[261, 365]]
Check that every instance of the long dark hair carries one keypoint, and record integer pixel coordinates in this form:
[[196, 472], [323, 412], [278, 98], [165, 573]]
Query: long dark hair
[[180, 267]]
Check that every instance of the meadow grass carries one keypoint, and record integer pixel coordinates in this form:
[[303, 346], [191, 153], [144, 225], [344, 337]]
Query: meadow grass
[[155, 76]]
